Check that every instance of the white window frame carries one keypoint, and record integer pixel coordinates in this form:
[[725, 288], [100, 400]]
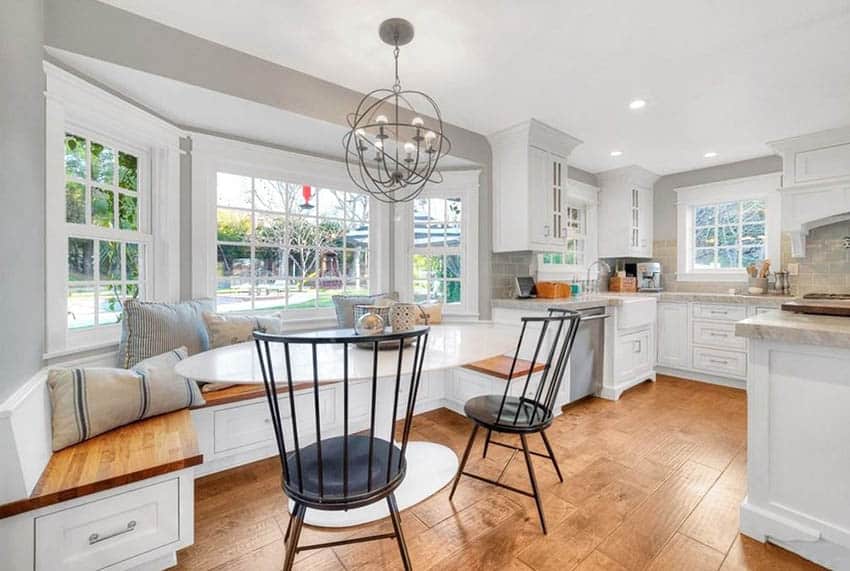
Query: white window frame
[[456, 184], [587, 196], [211, 155], [75, 106], [762, 187]]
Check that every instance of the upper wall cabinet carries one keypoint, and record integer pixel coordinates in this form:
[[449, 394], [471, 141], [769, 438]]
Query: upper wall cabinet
[[625, 213], [530, 187]]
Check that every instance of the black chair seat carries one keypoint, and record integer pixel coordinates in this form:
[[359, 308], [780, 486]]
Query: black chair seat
[[485, 411], [333, 488]]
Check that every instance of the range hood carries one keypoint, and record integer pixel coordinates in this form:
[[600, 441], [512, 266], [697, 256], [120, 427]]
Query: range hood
[[815, 183]]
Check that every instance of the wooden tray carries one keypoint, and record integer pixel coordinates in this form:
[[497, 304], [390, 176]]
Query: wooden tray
[[820, 307]]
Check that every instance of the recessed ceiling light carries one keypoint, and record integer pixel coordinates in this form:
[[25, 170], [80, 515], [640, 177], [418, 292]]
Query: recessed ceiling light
[[616, 153], [637, 104], [710, 155]]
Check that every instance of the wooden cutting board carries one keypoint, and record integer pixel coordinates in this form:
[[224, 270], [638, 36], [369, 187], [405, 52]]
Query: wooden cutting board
[[839, 308]]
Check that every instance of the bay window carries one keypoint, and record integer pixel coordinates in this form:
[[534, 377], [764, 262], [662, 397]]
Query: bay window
[[282, 245], [436, 238], [112, 212]]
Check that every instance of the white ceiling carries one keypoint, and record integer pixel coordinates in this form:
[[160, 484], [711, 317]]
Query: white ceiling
[[718, 75], [206, 110]]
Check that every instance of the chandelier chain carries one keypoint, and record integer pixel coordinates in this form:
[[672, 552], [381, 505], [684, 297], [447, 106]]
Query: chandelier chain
[[397, 84]]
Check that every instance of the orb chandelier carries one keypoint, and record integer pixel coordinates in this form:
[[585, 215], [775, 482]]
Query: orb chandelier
[[396, 137]]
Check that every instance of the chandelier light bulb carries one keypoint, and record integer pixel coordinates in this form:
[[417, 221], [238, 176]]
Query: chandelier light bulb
[[409, 148], [417, 122], [379, 144], [361, 133], [382, 119], [430, 136]]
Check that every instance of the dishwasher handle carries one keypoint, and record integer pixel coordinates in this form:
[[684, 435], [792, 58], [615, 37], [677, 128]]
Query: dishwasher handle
[[594, 317]]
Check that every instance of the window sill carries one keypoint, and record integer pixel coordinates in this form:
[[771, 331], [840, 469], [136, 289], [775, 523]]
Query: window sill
[[712, 277]]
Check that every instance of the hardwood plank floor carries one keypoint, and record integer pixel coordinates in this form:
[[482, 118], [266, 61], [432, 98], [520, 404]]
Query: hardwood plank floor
[[653, 481]]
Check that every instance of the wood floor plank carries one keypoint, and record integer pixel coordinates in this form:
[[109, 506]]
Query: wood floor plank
[[648, 528], [682, 552], [655, 479]]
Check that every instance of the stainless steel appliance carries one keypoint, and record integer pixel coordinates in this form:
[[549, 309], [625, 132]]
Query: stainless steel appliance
[[648, 276], [588, 356], [525, 287]]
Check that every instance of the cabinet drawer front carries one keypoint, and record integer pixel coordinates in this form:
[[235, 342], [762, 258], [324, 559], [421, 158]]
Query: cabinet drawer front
[[105, 532], [250, 424], [720, 312], [718, 335], [721, 363]]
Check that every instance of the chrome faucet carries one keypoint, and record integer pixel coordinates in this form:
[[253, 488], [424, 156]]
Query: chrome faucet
[[602, 264]]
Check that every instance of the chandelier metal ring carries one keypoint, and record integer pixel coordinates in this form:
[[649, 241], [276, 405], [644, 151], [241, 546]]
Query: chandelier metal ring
[[393, 148]]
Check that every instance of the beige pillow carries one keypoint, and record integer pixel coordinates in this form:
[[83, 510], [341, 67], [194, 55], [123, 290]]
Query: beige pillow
[[226, 330], [231, 329], [88, 402]]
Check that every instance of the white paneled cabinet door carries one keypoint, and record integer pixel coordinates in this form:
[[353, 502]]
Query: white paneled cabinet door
[[548, 177], [673, 333]]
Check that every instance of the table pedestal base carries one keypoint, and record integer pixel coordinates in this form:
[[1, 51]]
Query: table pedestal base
[[429, 467]]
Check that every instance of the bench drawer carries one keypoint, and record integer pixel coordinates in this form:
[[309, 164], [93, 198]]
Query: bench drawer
[[108, 531], [251, 425], [721, 363], [720, 311], [717, 334]]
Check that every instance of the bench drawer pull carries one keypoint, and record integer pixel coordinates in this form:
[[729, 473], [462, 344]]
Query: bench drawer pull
[[97, 538]]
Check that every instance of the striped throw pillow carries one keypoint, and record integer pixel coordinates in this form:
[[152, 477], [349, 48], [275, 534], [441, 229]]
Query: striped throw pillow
[[152, 328], [91, 401]]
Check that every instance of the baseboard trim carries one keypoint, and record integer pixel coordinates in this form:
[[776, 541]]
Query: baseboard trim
[[700, 377], [808, 542]]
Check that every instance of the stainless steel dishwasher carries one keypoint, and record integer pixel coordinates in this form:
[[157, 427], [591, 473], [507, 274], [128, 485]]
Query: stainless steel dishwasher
[[588, 357]]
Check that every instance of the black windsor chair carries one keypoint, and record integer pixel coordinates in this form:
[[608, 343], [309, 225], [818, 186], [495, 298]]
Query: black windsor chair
[[358, 467], [530, 410]]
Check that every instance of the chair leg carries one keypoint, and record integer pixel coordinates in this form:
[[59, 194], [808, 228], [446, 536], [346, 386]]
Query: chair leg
[[292, 545], [399, 534], [537, 499], [463, 460], [487, 442], [551, 454]]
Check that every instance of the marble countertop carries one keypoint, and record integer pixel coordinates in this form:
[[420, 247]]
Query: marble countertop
[[615, 299], [797, 328]]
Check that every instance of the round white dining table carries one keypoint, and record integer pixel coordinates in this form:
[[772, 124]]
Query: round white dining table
[[430, 466]]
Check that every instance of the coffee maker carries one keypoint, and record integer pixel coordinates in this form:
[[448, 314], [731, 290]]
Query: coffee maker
[[648, 276]]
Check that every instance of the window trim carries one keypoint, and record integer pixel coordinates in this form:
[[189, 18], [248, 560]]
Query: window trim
[[587, 194], [456, 184], [74, 105], [760, 187], [211, 155]]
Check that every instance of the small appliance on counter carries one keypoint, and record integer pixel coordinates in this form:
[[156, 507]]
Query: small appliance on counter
[[525, 288], [648, 275]]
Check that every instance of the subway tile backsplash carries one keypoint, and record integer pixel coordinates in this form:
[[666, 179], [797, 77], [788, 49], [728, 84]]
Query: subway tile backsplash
[[504, 267], [826, 267]]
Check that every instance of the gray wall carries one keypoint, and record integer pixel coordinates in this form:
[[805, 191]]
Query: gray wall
[[576, 173], [126, 39], [664, 197], [22, 185]]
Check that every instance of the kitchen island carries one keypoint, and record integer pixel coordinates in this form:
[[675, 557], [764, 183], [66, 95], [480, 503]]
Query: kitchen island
[[798, 452]]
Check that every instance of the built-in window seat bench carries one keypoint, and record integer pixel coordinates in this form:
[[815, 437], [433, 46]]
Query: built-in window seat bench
[[123, 499]]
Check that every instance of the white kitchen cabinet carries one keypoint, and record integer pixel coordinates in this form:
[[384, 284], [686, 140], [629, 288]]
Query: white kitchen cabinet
[[625, 213], [632, 355], [529, 187], [673, 335]]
